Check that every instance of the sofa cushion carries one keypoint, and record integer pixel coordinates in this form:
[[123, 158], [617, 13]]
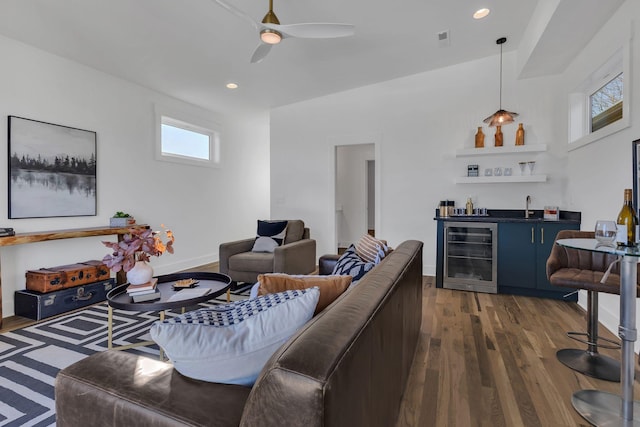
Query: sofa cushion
[[259, 262], [270, 235], [350, 263], [230, 343], [331, 287], [370, 249]]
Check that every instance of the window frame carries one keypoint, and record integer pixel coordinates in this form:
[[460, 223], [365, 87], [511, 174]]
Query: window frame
[[579, 108], [189, 122]]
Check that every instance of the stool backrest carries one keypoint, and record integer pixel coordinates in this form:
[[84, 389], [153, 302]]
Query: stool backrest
[[562, 257]]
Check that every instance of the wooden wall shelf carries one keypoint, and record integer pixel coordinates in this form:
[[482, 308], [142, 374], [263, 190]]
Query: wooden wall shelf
[[43, 236]]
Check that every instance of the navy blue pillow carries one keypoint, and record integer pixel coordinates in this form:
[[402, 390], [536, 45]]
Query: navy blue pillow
[[271, 234], [350, 263]]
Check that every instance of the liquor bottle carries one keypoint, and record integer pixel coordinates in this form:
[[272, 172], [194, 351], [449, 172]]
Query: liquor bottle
[[498, 136], [520, 135], [469, 207], [627, 221], [479, 138]]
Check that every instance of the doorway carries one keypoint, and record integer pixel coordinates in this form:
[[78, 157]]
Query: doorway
[[354, 193], [371, 197]]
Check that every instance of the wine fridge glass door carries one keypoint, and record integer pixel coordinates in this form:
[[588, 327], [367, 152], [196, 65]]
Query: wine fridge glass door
[[470, 256]]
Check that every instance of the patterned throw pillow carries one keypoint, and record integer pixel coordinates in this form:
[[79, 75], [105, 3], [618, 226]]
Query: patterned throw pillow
[[230, 343], [350, 263], [271, 234], [371, 249]]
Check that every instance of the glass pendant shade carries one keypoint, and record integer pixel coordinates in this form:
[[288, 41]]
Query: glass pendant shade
[[501, 117]]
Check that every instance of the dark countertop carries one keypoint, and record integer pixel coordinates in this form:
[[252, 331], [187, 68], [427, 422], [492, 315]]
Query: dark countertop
[[512, 215]]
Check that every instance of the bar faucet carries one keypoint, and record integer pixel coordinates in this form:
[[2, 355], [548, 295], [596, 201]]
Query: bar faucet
[[526, 210]]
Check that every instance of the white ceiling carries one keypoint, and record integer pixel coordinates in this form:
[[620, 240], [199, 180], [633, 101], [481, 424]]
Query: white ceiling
[[190, 49]]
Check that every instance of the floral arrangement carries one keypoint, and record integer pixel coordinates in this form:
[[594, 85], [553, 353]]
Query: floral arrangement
[[137, 245]]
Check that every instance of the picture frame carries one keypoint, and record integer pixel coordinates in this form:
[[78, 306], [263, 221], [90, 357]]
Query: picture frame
[[52, 170], [636, 174]]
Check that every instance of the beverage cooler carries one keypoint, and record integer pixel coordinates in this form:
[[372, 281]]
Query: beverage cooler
[[470, 256]]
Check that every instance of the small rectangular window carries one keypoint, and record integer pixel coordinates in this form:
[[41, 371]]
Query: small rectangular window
[[596, 108], [189, 139], [184, 142], [606, 104]]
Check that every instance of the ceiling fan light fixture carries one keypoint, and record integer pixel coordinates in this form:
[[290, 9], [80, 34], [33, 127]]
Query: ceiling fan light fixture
[[501, 117], [270, 36]]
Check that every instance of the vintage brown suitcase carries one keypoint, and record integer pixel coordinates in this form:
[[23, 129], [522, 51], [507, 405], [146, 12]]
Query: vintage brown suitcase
[[102, 272], [66, 276]]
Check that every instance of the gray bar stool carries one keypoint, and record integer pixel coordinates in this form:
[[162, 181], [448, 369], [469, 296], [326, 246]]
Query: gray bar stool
[[576, 269]]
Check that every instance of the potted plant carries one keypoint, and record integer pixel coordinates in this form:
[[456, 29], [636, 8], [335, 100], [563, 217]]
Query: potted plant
[[132, 253], [121, 219]]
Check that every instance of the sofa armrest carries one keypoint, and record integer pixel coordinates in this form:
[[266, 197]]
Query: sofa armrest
[[112, 388], [327, 263], [295, 258], [232, 248]]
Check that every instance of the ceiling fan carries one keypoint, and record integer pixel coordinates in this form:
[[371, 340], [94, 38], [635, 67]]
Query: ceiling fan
[[272, 32]]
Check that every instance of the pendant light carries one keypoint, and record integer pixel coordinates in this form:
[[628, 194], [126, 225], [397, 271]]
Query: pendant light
[[500, 117]]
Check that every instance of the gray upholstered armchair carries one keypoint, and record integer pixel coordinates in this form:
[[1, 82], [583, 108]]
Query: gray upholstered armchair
[[297, 255]]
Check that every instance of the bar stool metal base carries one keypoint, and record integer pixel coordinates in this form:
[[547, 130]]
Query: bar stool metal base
[[603, 409], [595, 365]]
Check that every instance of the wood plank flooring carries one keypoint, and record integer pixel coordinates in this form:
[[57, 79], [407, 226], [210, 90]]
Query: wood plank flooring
[[489, 360]]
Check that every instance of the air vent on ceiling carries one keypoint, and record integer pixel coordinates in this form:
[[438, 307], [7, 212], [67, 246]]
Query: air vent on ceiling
[[444, 39]]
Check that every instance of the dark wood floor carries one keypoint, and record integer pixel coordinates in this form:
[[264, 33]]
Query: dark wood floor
[[489, 360]]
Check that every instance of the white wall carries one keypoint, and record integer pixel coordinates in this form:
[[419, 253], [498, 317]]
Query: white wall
[[600, 171], [351, 196], [203, 206], [417, 123]]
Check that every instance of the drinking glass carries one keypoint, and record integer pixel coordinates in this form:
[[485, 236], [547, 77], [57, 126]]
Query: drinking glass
[[522, 165], [606, 233], [531, 165]]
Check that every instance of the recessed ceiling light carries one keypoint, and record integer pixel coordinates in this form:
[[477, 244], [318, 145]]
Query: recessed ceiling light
[[232, 86], [481, 13]]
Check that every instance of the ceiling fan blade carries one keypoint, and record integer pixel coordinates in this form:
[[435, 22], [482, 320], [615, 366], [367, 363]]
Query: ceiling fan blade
[[238, 13], [314, 30], [261, 51]]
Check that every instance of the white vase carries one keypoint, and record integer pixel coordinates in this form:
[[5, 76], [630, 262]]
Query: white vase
[[140, 273]]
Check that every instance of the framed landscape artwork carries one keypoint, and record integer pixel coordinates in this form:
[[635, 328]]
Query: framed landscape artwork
[[52, 170]]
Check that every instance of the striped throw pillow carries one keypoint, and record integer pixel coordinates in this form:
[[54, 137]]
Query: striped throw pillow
[[371, 249]]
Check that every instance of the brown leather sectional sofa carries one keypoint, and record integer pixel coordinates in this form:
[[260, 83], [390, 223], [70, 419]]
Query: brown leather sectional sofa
[[348, 366]]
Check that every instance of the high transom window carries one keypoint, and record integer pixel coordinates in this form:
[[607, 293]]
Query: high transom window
[[596, 105], [606, 104]]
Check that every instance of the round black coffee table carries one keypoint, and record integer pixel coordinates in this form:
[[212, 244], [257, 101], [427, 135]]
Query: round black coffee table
[[218, 284]]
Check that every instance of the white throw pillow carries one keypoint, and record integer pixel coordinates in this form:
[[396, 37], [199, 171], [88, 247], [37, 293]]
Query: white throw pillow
[[230, 343]]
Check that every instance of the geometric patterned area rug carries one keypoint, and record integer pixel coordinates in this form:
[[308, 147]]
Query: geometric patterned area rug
[[31, 357]]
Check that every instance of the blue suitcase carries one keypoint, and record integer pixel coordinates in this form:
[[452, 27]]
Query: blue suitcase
[[37, 305]]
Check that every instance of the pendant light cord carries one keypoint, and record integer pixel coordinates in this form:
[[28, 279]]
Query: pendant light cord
[[501, 76]]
